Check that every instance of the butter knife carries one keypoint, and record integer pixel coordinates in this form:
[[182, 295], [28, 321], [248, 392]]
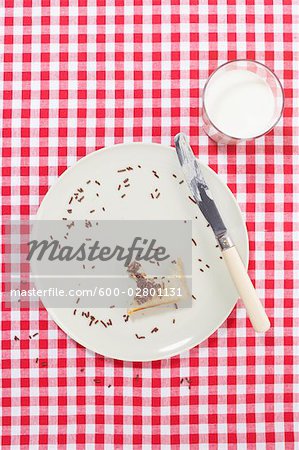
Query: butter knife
[[206, 204]]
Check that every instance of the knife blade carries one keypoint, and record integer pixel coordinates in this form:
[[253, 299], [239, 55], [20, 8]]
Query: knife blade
[[203, 197], [198, 185]]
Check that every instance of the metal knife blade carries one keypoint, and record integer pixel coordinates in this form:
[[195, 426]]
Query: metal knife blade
[[198, 185]]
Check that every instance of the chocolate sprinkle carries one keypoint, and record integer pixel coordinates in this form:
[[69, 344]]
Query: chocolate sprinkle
[[97, 182], [181, 182], [194, 242], [154, 330], [103, 323], [139, 337], [123, 195], [193, 296], [16, 338], [75, 311], [174, 175], [121, 170]]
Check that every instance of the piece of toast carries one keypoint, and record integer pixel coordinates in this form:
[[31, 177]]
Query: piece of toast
[[177, 280]]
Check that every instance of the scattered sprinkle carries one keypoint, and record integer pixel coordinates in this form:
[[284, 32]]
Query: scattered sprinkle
[[103, 323], [181, 182], [75, 311], [97, 182], [123, 195], [174, 175], [16, 338], [194, 242], [92, 211], [193, 296], [87, 182], [154, 330], [121, 170], [139, 337]]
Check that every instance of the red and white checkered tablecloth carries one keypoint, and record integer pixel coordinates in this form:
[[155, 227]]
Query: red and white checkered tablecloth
[[80, 75]]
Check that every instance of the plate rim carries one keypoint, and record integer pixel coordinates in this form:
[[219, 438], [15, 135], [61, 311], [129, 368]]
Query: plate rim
[[193, 343]]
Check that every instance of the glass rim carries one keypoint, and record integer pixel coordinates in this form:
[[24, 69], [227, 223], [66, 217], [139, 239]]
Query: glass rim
[[274, 76]]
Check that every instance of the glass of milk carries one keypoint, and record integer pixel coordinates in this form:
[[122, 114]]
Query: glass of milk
[[242, 100]]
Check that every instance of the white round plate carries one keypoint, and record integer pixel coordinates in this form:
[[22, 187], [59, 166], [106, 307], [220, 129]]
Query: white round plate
[[178, 329]]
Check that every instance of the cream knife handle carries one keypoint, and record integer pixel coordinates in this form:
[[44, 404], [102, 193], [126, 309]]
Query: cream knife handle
[[248, 294]]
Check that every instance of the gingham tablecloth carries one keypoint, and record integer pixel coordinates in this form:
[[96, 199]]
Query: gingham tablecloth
[[79, 75]]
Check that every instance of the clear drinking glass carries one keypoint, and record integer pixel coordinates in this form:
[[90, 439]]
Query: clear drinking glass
[[242, 100]]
